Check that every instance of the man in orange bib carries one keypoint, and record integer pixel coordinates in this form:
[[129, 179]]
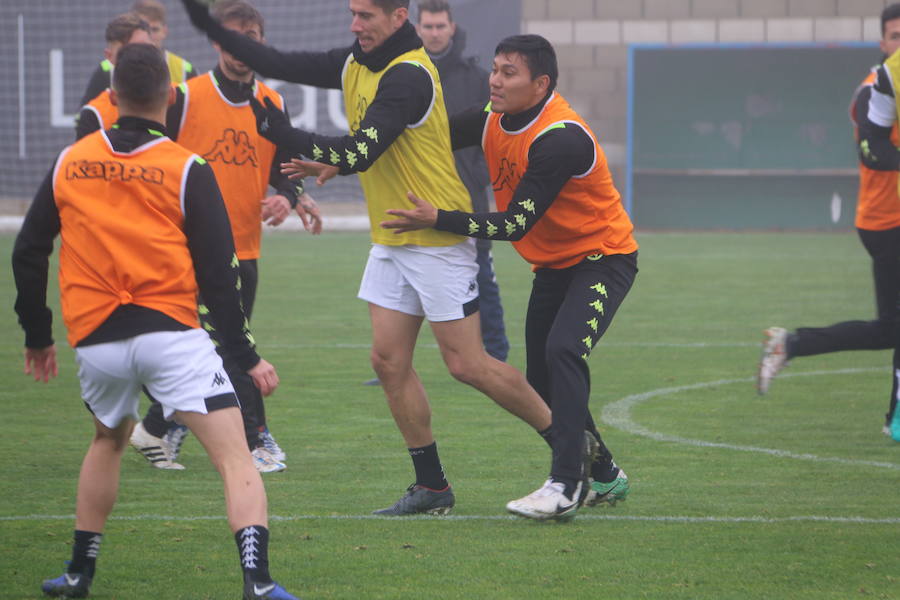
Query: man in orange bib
[[873, 111], [143, 229], [558, 206], [211, 116]]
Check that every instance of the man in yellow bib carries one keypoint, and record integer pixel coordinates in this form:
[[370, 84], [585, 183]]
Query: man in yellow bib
[[398, 141]]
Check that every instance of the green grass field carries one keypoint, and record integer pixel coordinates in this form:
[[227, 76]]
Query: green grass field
[[791, 495]]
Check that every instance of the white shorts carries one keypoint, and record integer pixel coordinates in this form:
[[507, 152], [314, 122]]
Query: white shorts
[[179, 368], [436, 282]]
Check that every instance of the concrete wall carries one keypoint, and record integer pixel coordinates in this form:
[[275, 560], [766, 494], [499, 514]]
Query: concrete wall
[[592, 36]]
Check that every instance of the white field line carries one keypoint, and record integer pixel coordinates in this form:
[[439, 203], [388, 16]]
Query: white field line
[[618, 415], [581, 517], [358, 346]]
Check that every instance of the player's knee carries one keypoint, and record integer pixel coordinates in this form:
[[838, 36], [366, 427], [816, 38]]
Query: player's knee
[[465, 369], [115, 440], [563, 349], [386, 366]]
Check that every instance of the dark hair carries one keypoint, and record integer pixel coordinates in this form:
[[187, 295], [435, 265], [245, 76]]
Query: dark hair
[[434, 7], [237, 10], [122, 27], [890, 12], [537, 52], [153, 10], [141, 77], [389, 6]]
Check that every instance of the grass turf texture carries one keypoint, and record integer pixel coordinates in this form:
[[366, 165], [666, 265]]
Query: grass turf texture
[[702, 521]]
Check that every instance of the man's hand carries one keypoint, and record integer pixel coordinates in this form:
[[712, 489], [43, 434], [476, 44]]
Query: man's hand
[[264, 377], [41, 363], [275, 209], [271, 122], [308, 211], [298, 169], [198, 12], [423, 216]]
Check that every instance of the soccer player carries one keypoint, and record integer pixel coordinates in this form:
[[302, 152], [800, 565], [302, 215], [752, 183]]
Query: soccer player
[[99, 112], [874, 112], [398, 141], [153, 12], [558, 206], [466, 84], [143, 229], [212, 117]]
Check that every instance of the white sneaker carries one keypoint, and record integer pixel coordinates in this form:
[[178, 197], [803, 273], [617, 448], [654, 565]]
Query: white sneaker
[[774, 357], [174, 438], [268, 441], [154, 449], [548, 502], [265, 462]]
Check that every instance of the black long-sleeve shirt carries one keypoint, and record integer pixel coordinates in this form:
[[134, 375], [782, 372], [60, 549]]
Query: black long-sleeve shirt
[[403, 96], [234, 91], [208, 233], [553, 159]]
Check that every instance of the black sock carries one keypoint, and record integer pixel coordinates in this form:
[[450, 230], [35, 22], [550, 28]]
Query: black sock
[[154, 421], [604, 469], [545, 433], [789, 344], [427, 463], [570, 484], [84, 552], [253, 548]]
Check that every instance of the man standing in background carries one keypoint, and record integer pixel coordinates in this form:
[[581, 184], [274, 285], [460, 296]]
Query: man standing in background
[[99, 112], [874, 114], [466, 84], [153, 12], [211, 116]]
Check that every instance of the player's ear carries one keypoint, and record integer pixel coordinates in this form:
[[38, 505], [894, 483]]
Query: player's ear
[[113, 97], [171, 100]]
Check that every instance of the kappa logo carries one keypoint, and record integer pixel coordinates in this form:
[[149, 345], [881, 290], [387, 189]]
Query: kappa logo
[[507, 177], [111, 169], [233, 148], [362, 106], [218, 379]]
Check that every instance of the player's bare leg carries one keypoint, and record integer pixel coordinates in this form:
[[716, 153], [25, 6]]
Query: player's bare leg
[[393, 342], [463, 352]]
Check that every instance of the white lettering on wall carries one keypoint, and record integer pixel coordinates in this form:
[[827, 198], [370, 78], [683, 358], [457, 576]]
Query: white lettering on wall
[[58, 118]]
